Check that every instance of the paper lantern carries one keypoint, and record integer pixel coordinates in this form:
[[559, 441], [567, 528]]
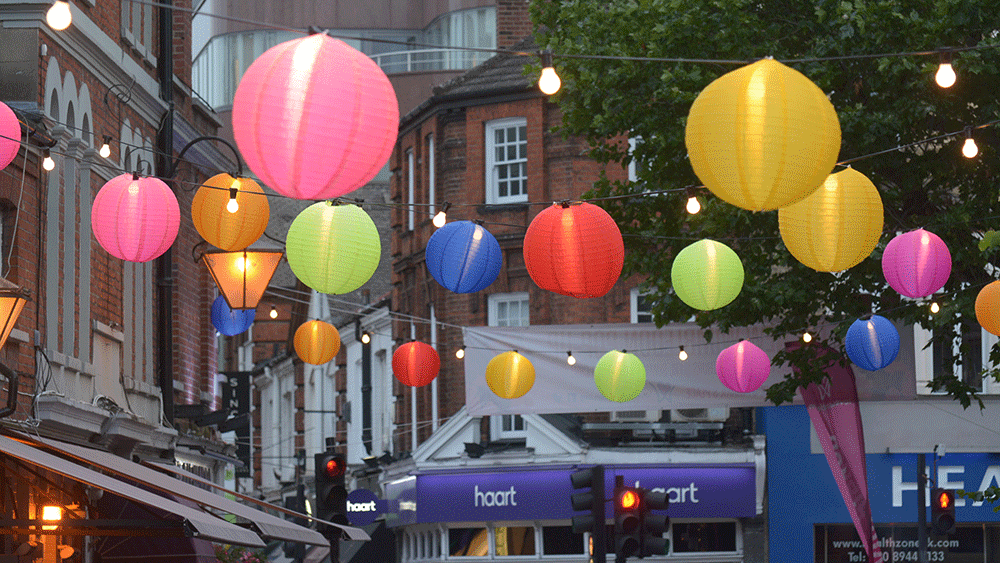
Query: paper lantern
[[762, 136], [415, 364], [242, 276], [743, 367], [574, 249], [917, 263], [463, 257], [231, 322], [135, 219], [707, 275], [619, 376], [872, 343], [315, 118], [510, 375], [835, 227], [316, 342], [988, 307], [12, 301], [333, 248], [10, 135], [222, 228]]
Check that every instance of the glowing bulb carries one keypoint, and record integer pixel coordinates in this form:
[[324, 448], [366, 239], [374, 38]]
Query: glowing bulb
[[460, 353], [366, 338], [105, 151], [549, 82], [969, 149], [48, 163], [693, 206], [570, 359], [935, 308], [682, 355], [232, 205], [945, 76], [806, 337], [440, 219], [59, 17], [274, 312], [51, 514]]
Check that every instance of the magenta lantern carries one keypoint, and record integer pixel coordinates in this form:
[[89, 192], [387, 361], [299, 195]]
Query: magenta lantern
[[10, 135], [415, 364], [743, 367], [917, 263], [314, 118], [134, 218]]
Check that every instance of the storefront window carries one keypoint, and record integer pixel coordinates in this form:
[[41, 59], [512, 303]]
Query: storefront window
[[468, 542], [704, 536], [560, 540], [514, 540]]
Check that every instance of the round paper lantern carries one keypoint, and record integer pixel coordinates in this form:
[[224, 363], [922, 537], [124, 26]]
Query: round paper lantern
[[463, 257], [743, 367], [835, 227], [872, 343], [707, 275], [230, 321], [988, 307], [135, 219], [333, 248], [619, 376], [917, 263], [762, 136], [316, 342], [10, 135], [315, 118], [415, 364], [510, 375], [221, 228], [574, 249]]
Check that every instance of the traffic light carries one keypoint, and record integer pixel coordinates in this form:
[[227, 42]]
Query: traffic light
[[592, 502], [331, 494], [943, 511], [628, 531], [653, 525]]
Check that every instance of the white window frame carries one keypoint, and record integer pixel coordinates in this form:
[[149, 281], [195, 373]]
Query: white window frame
[[499, 422], [634, 311], [924, 361], [431, 196], [493, 165], [496, 299], [410, 189]]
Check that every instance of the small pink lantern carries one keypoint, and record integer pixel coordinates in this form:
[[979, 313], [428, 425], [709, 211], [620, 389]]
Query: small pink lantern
[[134, 218], [10, 135], [315, 118], [917, 263], [415, 364], [743, 367]]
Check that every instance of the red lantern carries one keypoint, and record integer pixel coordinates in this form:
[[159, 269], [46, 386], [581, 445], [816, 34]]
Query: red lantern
[[574, 249], [135, 219], [415, 364]]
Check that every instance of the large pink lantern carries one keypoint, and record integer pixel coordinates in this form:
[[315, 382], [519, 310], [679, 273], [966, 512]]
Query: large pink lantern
[[10, 135], [314, 118], [917, 263], [743, 367], [134, 218]]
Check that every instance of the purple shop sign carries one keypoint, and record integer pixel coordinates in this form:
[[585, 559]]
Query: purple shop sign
[[695, 491]]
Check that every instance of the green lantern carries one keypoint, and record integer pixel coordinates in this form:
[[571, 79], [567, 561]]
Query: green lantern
[[707, 275], [333, 248], [620, 376]]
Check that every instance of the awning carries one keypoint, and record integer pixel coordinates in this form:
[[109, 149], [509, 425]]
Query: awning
[[267, 525], [198, 523], [351, 532]]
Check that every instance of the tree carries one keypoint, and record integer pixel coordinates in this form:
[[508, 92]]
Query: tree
[[883, 102]]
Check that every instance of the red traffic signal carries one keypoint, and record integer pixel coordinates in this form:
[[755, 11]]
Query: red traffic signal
[[943, 511], [335, 467], [629, 499]]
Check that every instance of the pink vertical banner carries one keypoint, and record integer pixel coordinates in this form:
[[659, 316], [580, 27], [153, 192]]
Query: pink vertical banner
[[833, 409]]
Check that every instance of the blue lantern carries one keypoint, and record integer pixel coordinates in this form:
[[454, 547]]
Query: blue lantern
[[463, 257], [230, 321], [872, 343]]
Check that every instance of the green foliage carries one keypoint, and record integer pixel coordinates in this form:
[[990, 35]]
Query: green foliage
[[883, 102], [991, 495]]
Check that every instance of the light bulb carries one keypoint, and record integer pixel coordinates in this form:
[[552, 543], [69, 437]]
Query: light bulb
[[806, 337], [570, 359], [682, 355], [48, 163], [59, 17], [105, 151], [549, 82], [945, 76], [460, 353], [366, 338], [935, 308], [274, 312], [969, 149], [440, 219], [693, 206]]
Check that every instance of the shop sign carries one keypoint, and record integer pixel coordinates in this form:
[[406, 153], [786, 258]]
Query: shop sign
[[839, 543], [363, 507]]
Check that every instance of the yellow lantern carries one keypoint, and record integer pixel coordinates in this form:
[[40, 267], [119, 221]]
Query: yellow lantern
[[762, 136], [230, 213], [510, 375], [316, 342], [837, 226]]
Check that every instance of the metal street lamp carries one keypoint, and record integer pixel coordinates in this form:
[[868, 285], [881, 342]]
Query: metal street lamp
[[242, 276]]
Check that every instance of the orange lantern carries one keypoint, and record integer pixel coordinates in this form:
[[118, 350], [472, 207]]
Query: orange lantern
[[230, 213], [988, 307], [574, 249], [316, 342], [415, 364], [510, 375]]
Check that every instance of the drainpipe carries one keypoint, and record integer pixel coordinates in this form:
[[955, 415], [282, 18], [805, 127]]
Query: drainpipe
[[164, 264]]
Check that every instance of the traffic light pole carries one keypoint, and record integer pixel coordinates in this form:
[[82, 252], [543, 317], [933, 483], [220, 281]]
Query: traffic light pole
[[922, 509], [599, 534]]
